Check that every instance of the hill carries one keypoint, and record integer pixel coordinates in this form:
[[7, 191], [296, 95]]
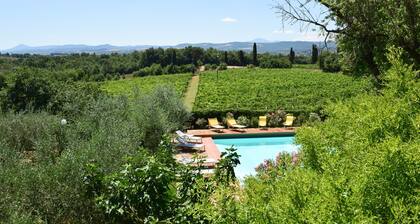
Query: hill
[[300, 47]]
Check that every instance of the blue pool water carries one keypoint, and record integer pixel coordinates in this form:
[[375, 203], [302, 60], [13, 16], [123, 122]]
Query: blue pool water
[[254, 151]]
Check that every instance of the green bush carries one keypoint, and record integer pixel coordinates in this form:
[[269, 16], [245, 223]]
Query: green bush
[[159, 113], [142, 191], [242, 120], [211, 66], [329, 62], [222, 66], [28, 91], [274, 62]]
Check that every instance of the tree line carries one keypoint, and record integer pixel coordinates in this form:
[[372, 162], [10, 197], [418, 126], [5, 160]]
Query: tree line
[[152, 61]]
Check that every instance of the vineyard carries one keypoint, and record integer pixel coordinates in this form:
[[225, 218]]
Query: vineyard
[[128, 87], [263, 90]]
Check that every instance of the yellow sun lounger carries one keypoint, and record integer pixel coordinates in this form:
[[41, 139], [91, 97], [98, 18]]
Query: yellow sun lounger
[[262, 122], [214, 123], [231, 123], [289, 120]]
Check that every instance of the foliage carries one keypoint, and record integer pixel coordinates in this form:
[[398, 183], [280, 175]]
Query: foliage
[[292, 56], [42, 162], [254, 55], [222, 66], [242, 120], [276, 119], [28, 92], [201, 123], [2, 81], [302, 59], [363, 29], [329, 62], [314, 55], [270, 61], [141, 192], [265, 90], [127, 87], [158, 113], [211, 66], [225, 172], [359, 166]]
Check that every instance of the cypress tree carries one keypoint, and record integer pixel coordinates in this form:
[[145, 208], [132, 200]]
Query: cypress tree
[[173, 57], [226, 57], [314, 54], [254, 55], [241, 58], [292, 56]]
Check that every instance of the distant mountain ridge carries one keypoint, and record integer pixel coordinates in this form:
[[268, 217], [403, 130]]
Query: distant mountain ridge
[[300, 47]]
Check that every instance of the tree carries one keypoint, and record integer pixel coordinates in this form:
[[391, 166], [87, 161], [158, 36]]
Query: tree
[[159, 113], [2, 81], [314, 58], [328, 62], [241, 58], [171, 52], [363, 29], [225, 58], [29, 91], [292, 56], [254, 55]]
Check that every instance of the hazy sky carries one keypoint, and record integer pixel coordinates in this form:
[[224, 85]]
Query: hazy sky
[[136, 22]]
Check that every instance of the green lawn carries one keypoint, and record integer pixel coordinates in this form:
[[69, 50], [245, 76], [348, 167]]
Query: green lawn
[[263, 90], [128, 87]]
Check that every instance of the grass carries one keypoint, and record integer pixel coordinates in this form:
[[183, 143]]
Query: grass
[[128, 86], [264, 90]]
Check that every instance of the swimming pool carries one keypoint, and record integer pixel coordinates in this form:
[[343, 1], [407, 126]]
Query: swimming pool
[[254, 150]]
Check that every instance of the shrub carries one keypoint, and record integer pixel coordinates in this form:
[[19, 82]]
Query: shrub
[[201, 123], [222, 66], [314, 117], [276, 119], [42, 162], [274, 62], [29, 91], [242, 120], [250, 66], [141, 191], [329, 62], [159, 113], [156, 69], [211, 66], [171, 69], [301, 59], [254, 122]]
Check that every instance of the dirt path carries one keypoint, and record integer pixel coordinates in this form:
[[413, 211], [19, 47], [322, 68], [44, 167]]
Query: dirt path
[[191, 92]]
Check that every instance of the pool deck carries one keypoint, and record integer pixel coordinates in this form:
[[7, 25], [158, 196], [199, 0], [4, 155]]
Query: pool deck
[[211, 151]]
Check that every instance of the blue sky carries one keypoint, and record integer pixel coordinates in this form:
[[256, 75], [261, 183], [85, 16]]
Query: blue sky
[[136, 22]]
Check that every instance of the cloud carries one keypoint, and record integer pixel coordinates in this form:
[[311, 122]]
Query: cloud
[[283, 31], [229, 20]]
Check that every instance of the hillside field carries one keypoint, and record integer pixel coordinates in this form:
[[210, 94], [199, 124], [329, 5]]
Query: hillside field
[[128, 87], [264, 90]]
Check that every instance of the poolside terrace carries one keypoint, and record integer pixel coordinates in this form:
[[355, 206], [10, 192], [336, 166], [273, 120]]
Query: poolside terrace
[[212, 153]]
